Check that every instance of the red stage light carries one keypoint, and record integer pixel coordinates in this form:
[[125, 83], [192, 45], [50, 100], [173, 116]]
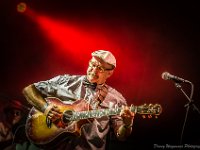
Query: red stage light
[[21, 7]]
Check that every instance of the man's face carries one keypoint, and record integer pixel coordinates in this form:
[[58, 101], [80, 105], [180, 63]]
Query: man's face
[[15, 116], [98, 71]]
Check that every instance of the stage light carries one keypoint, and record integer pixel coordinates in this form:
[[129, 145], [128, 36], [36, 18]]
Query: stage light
[[21, 7]]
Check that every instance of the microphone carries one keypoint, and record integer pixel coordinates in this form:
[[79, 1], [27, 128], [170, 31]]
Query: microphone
[[168, 76]]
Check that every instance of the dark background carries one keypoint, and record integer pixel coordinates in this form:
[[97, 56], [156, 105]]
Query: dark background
[[151, 37]]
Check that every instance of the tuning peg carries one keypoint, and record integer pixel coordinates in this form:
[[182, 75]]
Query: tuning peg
[[144, 104], [150, 105]]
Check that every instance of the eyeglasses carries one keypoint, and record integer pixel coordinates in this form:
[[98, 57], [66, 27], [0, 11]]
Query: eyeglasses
[[100, 68]]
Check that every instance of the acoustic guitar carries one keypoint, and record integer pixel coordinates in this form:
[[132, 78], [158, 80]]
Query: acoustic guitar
[[73, 118]]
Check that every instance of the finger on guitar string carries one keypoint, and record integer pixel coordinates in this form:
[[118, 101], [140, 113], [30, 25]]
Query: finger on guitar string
[[52, 117], [128, 112], [55, 113], [56, 109], [125, 112], [122, 110]]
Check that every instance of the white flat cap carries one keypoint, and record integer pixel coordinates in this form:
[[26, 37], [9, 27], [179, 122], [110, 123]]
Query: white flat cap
[[106, 56]]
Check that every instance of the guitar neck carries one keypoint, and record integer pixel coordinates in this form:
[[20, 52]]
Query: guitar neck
[[98, 113]]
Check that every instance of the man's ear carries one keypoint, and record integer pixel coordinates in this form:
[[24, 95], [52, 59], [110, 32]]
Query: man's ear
[[110, 73]]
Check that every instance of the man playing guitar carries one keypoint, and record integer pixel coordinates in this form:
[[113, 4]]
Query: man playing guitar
[[96, 94]]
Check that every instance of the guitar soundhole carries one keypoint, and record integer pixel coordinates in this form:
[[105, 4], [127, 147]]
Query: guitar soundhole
[[67, 114]]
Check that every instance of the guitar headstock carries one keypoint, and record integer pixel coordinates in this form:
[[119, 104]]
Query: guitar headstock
[[149, 110]]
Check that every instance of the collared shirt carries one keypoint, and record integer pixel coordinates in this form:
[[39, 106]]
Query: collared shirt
[[70, 88]]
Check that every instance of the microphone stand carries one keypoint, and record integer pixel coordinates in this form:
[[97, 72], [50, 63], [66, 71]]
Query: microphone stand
[[190, 103]]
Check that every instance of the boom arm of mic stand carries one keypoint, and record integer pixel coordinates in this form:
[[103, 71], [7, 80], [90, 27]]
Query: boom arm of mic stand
[[190, 103]]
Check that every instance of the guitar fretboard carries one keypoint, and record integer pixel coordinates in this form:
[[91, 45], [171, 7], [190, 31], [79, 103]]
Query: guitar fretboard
[[98, 113]]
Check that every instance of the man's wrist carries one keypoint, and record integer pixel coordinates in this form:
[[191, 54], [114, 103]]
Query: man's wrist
[[49, 107], [44, 107], [123, 129]]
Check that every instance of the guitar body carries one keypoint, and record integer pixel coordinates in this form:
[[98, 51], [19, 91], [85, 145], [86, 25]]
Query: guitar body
[[38, 132]]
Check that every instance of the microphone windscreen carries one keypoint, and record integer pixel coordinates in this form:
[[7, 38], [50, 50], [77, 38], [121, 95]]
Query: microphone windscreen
[[165, 75]]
